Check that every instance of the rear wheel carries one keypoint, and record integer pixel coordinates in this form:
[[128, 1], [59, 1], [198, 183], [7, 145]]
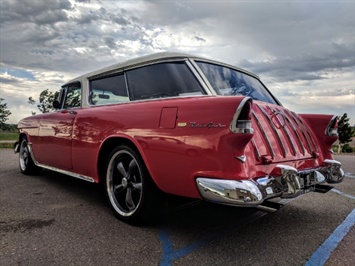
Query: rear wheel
[[27, 166], [132, 194]]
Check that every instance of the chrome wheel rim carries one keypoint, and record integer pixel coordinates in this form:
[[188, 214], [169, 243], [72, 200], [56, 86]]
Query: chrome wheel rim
[[124, 183], [24, 155]]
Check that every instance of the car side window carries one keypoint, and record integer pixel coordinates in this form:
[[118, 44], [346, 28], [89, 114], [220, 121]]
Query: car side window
[[162, 80], [108, 90], [72, 97]]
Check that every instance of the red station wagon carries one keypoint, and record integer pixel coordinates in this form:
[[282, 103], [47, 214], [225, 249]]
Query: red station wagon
[[184, 125]]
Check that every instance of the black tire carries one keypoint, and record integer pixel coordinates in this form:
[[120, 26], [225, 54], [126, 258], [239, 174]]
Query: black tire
[[27, 166], [131, 192]]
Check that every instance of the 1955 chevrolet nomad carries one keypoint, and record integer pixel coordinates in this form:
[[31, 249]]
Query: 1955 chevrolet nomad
[[180, 124]]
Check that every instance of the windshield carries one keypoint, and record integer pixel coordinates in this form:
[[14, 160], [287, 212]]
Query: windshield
[[230, 82]]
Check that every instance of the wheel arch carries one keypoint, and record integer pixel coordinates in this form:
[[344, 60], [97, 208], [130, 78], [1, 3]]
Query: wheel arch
[[108, 145], [18, 142], [22, 135]]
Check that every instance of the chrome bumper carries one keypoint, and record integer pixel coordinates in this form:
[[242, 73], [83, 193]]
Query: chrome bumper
[[284, 181]]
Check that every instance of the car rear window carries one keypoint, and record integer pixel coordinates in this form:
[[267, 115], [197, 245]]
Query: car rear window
[[230, 82]]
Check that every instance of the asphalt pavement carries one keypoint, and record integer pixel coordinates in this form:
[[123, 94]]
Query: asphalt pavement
[[53, 219]]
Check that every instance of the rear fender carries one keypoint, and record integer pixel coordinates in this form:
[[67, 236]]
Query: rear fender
[[324, 128]]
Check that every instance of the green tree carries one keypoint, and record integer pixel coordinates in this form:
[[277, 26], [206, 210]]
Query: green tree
[[46, 98], [344, 130], [4, 113]]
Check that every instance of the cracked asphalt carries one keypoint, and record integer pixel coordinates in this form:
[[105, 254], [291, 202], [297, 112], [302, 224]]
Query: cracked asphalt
[[53, 219]]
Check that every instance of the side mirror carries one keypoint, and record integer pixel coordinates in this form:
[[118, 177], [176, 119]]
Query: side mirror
[[56, 104]]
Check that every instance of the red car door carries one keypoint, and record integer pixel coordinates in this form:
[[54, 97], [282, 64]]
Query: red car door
[[55, 139], [56, 130]]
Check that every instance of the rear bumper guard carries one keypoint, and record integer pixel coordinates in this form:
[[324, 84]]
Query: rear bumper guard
[[284, 181]]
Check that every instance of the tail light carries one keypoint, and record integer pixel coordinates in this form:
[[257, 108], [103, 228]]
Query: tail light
[[241, 123], [332, 128]]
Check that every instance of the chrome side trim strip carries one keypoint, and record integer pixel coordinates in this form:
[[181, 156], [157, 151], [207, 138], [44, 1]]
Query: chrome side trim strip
[[264, 135], [275, 130], [256, 149], [65, 172]]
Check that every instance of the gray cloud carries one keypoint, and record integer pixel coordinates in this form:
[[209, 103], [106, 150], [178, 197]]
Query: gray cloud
[[288, 44], [320, 93], [335, 58], [35, 11], [8, 81]]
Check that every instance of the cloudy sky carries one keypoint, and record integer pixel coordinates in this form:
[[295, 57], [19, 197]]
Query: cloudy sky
[[304, 51]]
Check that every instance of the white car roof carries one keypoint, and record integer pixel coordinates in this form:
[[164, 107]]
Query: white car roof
[[147, 59]]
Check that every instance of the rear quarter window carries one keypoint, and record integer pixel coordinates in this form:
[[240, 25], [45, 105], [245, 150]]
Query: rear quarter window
[[162, 80]]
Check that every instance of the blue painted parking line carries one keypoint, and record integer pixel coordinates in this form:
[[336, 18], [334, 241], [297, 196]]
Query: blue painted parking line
[[170, 255], [342, 193], [323, 253]]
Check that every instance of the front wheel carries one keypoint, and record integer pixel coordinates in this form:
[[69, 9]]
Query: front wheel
[[27, 166], [132, 194]]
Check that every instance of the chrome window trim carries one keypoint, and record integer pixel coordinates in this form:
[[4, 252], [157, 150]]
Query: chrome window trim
[[201, 75], [135, 66], [205, 60], [127, 89], [206, 86], [64, 87], [124, 72]]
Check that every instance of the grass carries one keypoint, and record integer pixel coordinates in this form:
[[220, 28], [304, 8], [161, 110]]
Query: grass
[[336, 147], [9, 136], [6, 145]]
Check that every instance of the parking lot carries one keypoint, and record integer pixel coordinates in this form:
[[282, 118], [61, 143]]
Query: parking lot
[[52, 219]]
